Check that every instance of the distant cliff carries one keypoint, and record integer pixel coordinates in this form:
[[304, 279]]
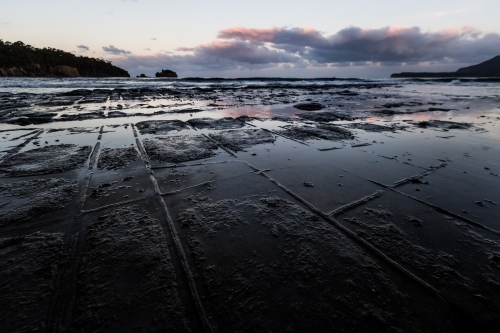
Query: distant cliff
[[19, 59], [489, 68]]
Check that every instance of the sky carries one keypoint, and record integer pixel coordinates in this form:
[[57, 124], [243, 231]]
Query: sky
[[230, 38]]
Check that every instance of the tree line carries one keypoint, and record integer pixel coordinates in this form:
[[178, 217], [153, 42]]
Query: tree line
[[36, 61]]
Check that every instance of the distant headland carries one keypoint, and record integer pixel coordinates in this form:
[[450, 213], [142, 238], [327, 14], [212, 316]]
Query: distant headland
[[19, 59], [489, 68]]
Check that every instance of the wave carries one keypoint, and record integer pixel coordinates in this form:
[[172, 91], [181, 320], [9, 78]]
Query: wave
[[35, 85]]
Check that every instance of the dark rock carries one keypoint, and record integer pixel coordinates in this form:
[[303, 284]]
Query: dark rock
[[178, 149], [309, 106], [322, 131], [129, 284], [160, 126], [117, 158], [166, 73], [219, 124], [325, 116], [46, 160], [32, 118], [443, 124], [32, 198], [238, 140]]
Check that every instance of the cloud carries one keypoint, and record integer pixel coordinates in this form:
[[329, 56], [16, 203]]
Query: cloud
[[385, 45], [153, 38], [114, 50], [245, 52], [246, 48], [83, 48], [218, 55]]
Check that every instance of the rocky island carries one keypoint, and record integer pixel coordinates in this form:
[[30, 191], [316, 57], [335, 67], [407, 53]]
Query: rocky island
[[166, 73], [489, 68], [19, 59]]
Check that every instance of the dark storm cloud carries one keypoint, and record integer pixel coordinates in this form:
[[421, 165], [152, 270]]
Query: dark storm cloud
[[83, 47], [293, 36], [246, 52], [243, 48], [385, 45], [114, 50]]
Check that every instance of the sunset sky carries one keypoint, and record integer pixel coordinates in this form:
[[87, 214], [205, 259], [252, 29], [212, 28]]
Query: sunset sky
[[312, 38]]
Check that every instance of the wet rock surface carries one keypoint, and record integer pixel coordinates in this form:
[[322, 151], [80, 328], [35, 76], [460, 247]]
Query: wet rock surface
[[374, 127], [117, 158], [220, 207], [177, 149], [269, 265], [29, 199], [218, 124], [28, 273], [160, 126], [443, 124], [320, 131], [126, 278], [325, 116], [45, 160], [309, 106], [239, 140]]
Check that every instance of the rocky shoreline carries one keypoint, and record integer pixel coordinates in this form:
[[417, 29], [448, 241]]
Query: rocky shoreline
[[260, 207], [37, 71]]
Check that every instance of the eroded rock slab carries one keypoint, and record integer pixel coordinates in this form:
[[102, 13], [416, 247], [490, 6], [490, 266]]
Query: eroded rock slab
[[325, 116], [45, 160], [160, 126], [126, 279], [117, 158], [321, 131], [24, 118], [443, 124], [238, 140], [218, 124], [268, 265], [177, 149], [369, 127], [24, 200], [28, 272]]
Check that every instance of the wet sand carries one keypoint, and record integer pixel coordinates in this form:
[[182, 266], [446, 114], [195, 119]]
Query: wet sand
[[285, 207]]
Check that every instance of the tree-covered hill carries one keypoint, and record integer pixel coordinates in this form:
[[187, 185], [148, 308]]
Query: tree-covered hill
[[19, 59]]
